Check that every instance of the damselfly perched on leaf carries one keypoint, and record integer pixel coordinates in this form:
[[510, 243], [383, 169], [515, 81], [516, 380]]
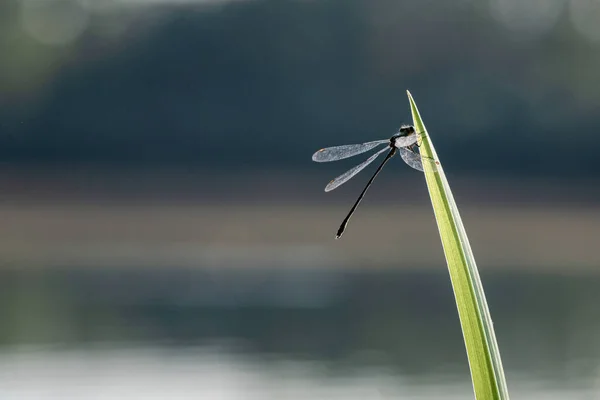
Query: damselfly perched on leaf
[[403, 142]]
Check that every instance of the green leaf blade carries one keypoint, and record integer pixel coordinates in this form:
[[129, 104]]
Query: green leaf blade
[[485, 363]]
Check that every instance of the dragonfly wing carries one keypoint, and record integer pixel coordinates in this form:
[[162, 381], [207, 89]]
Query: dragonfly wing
[[346, 176], [340, 152], [405, 141], [411, 158]]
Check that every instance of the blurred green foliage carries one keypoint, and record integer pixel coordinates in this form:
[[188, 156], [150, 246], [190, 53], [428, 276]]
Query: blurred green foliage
[[261, 84]]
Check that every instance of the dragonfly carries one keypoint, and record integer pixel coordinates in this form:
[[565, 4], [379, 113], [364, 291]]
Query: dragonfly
[[403, 142]]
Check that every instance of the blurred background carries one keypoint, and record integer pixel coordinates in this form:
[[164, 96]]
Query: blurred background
[[164, 233]]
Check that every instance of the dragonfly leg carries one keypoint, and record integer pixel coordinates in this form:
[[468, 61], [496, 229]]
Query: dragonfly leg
[[418, 145]]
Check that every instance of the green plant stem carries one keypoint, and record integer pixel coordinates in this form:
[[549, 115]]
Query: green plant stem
[[480, 340]]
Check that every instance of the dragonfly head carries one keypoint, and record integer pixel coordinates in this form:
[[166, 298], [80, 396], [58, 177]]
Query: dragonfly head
[[406, 130]]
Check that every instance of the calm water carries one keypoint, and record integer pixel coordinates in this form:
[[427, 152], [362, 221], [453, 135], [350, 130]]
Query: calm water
[[322, 333]]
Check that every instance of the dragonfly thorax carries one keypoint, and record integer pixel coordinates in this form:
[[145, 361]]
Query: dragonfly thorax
[[406, 137], [403, 132]]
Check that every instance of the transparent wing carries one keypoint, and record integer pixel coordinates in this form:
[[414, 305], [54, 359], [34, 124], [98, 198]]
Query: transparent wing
[[411, 158], [340, 152], [405, 141], [346, 176]]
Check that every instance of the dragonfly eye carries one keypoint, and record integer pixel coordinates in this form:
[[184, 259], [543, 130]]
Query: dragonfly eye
[[406, 130]]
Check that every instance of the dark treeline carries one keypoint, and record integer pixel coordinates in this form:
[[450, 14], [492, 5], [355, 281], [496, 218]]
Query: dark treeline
[[262, 84]]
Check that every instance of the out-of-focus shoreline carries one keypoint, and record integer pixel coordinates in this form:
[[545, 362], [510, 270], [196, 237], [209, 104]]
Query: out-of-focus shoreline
[[82, 218], [394, 186]]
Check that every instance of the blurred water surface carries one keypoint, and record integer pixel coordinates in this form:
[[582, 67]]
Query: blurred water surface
[[293, 333]]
